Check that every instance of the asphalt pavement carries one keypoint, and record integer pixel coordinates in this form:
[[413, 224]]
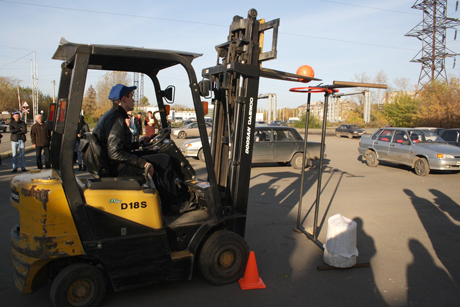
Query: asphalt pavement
[[408, 231]]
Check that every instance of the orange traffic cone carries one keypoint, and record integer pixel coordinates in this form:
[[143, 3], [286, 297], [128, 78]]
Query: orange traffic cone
[[251, 279]]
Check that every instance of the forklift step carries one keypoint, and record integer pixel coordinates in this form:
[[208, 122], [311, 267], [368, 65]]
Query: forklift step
[[180, 255]]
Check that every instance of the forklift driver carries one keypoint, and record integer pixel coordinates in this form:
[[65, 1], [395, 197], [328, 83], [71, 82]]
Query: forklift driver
[[115, 137]]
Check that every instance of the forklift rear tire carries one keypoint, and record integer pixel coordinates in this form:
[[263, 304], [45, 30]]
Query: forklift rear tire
[[79, 284], [223, 257]]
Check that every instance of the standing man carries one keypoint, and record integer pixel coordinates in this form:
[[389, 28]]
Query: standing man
[[18, 131], [138, 122], [41, 136]]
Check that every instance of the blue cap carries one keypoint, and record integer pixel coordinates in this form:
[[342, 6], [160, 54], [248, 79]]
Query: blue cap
[[119, 91], [16, 112]]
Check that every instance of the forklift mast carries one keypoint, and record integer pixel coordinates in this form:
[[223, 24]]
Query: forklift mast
[[234, 82]]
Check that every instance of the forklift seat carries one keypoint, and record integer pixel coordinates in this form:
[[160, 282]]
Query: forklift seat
[[94, 156], [96, 161]]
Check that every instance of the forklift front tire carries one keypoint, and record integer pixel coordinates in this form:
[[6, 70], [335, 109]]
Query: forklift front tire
[[223, 257], [79, 284]]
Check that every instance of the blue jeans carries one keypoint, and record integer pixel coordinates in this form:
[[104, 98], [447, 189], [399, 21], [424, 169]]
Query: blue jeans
[[14, 148]]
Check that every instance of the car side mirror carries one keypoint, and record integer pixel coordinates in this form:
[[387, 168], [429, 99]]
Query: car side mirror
[[406, 142]]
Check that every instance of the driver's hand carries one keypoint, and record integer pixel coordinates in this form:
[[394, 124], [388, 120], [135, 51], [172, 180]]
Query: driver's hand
[[143, 139], [150, 166]]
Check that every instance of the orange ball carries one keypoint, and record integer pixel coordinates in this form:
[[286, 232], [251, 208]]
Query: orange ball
[[305, 70]]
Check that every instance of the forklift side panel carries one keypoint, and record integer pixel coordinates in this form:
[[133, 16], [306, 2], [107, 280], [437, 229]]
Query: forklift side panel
[[136, 261], [47, 230], [136, 206]]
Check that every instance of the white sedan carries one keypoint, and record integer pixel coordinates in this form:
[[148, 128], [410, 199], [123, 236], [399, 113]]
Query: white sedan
[[190, 130]]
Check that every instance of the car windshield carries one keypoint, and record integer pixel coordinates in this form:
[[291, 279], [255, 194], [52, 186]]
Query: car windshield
[[424, 136]]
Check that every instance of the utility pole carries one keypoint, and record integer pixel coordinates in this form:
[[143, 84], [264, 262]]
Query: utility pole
[[54, 86], [34, 69]]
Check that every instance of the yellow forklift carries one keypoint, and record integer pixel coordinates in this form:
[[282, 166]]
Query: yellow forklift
[[89, 234]]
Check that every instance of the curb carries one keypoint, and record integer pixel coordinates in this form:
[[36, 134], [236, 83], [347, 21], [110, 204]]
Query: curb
[[9, 153]]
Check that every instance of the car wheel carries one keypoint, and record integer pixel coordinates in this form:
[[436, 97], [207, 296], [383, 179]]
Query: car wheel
[[223, 257], [371, 158], [201, 155], [296, 161], [421, 167], [182, 135], [350, 135], [79, 284]]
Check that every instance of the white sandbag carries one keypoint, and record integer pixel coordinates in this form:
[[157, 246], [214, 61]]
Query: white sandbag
[[340, 249]]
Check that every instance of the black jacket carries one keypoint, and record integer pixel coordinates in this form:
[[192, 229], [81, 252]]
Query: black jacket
[[18, 130], [115, 136], [40, 135]]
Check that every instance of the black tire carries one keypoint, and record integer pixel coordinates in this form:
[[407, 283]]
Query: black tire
[[371, 158], [182, 135], [421, 167], [223, 257], [79, 284], [201, 155], [296, 161]]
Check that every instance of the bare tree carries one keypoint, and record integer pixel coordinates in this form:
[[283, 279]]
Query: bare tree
[[401, 84], [103, 87]]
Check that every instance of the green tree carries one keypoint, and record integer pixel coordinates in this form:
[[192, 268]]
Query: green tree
[[144, 102], [402, 112], [313, 122], [89, 101]]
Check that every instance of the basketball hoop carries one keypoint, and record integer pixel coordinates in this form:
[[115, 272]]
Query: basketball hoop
[[312, 89]]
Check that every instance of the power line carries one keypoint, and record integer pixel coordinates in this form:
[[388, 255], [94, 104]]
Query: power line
[[115, 14], [217, 25], [5, 65], [15, 47], [369, 7], [345, 41]]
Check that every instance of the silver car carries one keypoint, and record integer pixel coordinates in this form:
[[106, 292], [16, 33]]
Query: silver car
[[271, 144], [422, 150], [190, 130]]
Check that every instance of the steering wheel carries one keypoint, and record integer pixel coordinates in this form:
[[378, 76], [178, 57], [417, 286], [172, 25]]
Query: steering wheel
[[158, 138]]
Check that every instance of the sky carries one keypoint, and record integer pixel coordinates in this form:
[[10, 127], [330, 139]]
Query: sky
[[339, 39]]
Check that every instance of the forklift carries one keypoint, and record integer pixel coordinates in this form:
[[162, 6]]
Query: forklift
[[87, 234]]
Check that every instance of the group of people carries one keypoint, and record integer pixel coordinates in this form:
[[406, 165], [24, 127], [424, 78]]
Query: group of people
[[41, 138], [135, 125]]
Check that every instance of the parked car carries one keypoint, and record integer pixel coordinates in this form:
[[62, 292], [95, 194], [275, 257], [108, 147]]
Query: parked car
[[191, 130], [451, 136], [271, 144], [422, 150], [278, 123], [3, 127], [349, 130], [261, 123], [434, 129], [188, 122]]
